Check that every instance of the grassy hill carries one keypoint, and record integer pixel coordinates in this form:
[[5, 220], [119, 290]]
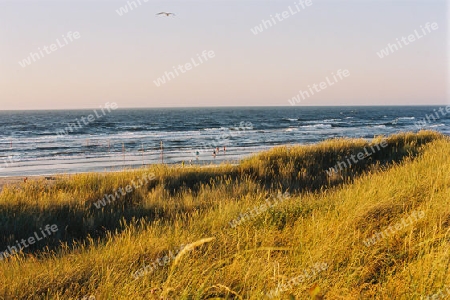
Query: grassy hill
[[279, 225]]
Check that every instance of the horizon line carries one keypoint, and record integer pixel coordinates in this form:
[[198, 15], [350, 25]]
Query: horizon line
[[208, 107]]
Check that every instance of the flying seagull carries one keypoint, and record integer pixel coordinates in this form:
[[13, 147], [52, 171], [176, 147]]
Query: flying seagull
[[165, 13]]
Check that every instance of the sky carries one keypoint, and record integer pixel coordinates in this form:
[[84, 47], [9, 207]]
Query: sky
[[119, 57]]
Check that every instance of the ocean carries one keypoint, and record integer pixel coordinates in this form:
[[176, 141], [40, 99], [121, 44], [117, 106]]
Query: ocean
[[33, 143]]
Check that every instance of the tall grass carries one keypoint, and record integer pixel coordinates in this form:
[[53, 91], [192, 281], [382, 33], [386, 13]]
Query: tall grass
[[325, 220]]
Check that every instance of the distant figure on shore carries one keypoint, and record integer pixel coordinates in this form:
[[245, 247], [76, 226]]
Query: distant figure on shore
[[224, 149], [217, 150], [25, 179], [196, 155], [214, 154]]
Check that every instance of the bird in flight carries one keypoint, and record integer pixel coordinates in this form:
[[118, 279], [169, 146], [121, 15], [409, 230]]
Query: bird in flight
[[165, 13]]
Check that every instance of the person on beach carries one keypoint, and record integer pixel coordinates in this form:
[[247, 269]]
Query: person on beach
[[214, 154], [196, 155], [224, 149], [217, 150]]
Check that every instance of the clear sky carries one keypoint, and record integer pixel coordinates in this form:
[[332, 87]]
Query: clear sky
[[118, 58]]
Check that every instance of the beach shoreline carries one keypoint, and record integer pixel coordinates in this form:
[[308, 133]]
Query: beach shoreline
[[51, 178]]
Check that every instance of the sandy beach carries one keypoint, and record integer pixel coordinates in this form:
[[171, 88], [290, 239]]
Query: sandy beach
[[13, 180]]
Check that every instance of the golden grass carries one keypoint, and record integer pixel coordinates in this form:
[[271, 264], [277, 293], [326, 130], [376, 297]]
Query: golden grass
[[324, 221]]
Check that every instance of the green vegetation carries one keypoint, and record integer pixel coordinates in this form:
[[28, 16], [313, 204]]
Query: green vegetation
[[325, 221]]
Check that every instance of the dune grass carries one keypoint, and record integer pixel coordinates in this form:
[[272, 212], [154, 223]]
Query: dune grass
[[325, 220]]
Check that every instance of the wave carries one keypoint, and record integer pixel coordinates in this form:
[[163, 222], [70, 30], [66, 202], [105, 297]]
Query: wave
[[347, 125], [135, 128], [240, 128], [321, 126], [51, 148]]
